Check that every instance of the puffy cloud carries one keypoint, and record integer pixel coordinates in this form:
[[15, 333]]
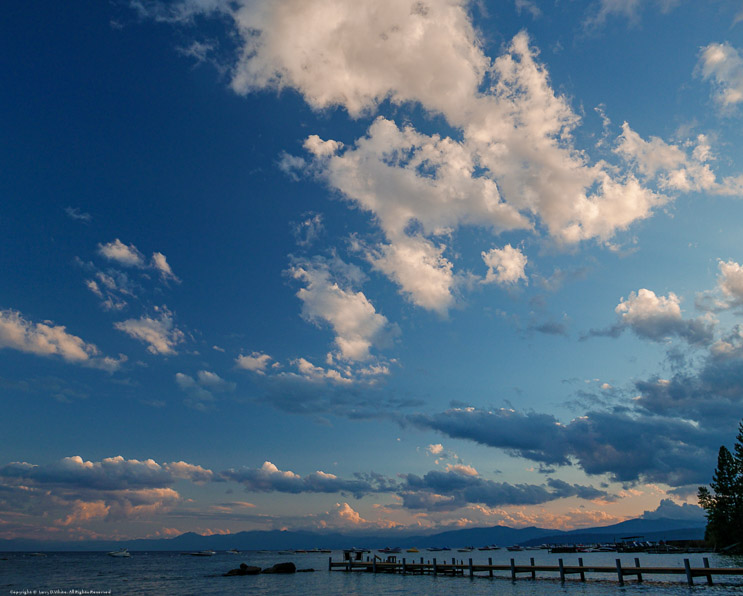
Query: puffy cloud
[[69, 497], [315, 373], [419, 268], [668, 509], [658, 317], [461, 469], [627, 446], [329, 298], [674, 167], [457, 488], [357, 56], [160, 263], [127, 255], [723, 64], [268, 478], [85, 511], [47, 339], [160, 333], [109, 474], [256, 362], [405, 177], [505, 265], [706, 396], [512, 165], [730, 281], [729, 291], [436, 449], [530, 435], [123, 254]]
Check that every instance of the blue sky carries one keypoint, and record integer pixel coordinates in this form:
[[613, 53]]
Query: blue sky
[[388, 265]]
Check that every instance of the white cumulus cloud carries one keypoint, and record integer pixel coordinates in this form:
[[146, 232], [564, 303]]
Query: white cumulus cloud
[[328, 298], [255, 362], [161, 334], [126, 255], [47, 339], [505, 265], [723, 64]]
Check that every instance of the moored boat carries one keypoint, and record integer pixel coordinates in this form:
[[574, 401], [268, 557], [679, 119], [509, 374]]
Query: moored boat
[[122, 552]]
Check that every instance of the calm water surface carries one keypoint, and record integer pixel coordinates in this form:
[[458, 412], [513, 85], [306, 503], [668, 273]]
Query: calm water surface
[[166, 573]]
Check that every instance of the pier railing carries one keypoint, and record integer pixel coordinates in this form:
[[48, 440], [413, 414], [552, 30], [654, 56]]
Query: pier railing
[[562, 570]]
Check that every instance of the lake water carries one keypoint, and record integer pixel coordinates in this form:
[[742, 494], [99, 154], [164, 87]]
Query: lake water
[[166, 573]]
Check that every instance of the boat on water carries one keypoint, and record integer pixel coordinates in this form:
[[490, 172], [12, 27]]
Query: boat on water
[[515, 548], [467, 549], [412, 550], [390, 551], [122, 552], [436, 549], [233, 551], [489, 547], [318, 550], [203, 553]]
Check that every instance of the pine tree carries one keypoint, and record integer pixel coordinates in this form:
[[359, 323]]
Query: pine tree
[[723, 505]]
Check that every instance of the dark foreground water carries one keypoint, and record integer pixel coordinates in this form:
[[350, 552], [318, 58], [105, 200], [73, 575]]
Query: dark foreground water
[[166, 573]]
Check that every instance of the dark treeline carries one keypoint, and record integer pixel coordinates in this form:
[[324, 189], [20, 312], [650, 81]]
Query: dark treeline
[[723, 500]]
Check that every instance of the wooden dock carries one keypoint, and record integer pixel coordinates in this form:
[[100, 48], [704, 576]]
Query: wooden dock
[[514, 571]]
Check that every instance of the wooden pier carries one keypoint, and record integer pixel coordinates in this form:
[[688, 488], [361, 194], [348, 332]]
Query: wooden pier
[[513, 570]]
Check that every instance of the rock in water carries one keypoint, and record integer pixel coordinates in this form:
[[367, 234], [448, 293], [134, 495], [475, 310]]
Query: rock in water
[[281, 568], [244, 570]]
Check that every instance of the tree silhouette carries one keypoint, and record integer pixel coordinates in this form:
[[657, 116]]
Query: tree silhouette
[[723, 504]]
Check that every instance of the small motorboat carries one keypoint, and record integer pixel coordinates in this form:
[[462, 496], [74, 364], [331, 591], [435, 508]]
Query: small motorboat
[[122, 552], [233, 551], [203, 553]]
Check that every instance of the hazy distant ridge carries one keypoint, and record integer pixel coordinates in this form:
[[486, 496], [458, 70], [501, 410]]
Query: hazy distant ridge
[[654, 529]]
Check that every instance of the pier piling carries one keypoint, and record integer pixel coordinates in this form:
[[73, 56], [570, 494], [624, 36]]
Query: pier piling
[[689, 576], [639, 575]]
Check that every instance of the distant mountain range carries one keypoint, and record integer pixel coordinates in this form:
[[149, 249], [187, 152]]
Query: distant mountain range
[[649, 529]]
